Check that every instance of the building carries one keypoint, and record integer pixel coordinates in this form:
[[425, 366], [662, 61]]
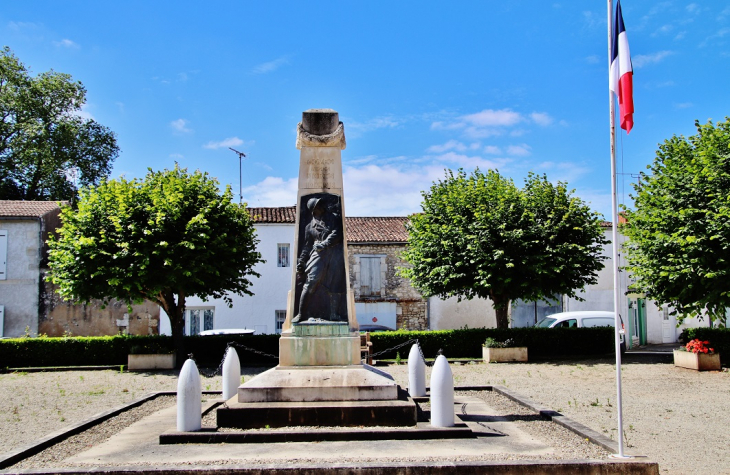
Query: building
[[29, 305], [384, 298]]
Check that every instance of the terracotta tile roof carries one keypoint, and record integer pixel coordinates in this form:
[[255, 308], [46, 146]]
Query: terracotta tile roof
[[359, 229], [377, 229], [28, 209], [283, 214]]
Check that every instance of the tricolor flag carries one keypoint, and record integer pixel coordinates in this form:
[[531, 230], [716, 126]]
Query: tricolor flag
[[620, 76]]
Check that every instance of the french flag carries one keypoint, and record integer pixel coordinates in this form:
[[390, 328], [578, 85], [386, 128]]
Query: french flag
[[620, 76]]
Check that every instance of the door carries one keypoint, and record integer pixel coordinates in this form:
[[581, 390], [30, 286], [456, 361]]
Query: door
[[669, 326]]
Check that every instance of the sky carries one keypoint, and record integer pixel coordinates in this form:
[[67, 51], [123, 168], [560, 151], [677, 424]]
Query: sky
[[421, 87]]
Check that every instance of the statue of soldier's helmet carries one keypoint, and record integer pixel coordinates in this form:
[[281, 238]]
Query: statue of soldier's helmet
[[312, 203]]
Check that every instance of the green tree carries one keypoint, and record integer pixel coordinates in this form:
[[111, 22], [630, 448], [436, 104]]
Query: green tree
[[46, 149], [481, 236], [678, 246], [164, 238]]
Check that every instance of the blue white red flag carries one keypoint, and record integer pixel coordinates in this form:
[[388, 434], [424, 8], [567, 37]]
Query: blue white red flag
[[621, 73]]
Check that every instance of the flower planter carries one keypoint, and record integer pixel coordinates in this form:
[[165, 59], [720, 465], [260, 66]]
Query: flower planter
[[145, 362], [502, 355], [697, 361]]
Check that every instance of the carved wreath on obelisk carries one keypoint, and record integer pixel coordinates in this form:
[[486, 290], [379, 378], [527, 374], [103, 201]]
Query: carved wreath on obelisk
[[321, 289]]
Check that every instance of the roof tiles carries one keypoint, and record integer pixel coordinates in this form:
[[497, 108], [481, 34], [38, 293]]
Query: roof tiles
[[28, 209]]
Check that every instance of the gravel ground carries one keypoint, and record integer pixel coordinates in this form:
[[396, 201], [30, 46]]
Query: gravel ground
[[677, 417]]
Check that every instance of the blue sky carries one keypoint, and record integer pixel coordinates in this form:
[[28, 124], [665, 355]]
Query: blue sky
[[421, 86]]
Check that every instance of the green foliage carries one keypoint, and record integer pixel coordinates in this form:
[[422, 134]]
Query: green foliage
[[467, 343], [164, 238], [678, 245], [719, 339], [481, 236], [43, 140], [492, 343], [113, 350]]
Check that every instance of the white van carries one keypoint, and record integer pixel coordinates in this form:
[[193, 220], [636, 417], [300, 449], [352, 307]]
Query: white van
[[582, 319]]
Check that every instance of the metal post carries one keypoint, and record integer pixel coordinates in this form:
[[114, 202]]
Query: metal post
[[615, 244]]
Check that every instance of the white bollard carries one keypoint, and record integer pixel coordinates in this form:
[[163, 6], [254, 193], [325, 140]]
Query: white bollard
[[416, 372], [442, 394], [189, 406], [231, 373]]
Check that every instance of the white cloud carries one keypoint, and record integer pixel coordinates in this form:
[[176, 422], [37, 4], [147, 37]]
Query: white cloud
[[22, 25], [693, 8], [450, 145], [66, 43], [182, 77], [522, 150], [541, 118], [492, 150], [355, 129], [641, 60], [272, 191], [225, 143], [683, 105], [85, 113], [493, 118], [120, 105], [593, 59], [176, 156], [180, 126], [270, 66]]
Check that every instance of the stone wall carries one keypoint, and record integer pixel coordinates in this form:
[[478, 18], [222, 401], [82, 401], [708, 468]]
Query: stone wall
[[57, 317], [411, 307]]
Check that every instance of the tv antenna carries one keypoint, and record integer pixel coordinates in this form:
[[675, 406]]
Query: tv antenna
[[241, 156]]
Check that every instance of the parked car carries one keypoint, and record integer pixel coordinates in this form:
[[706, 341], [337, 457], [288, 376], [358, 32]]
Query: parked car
[[227, 331], [582, 319]]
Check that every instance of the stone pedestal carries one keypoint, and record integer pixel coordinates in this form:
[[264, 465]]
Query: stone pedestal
[[319, 344]]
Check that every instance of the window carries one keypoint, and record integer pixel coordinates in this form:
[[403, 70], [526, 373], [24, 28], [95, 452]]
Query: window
[[283, 255], [370, 281], [199, 319], [280, 316], [598, 322], [572, 323]]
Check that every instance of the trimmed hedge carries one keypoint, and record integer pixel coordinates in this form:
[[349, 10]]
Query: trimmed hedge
[[719, 339], [208, 351], [467, 343], [113, 350]]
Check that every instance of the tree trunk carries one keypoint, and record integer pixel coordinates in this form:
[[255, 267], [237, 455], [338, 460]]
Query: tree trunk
[[501, 307], [175, 312]]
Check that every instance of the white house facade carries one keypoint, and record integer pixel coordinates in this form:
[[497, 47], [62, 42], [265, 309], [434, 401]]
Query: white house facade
[[384, 298]]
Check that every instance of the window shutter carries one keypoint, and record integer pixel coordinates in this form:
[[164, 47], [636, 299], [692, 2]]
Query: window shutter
[[3, 254]]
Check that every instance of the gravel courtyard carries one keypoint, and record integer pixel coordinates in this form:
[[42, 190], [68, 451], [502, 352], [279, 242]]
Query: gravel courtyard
[[677, 417]]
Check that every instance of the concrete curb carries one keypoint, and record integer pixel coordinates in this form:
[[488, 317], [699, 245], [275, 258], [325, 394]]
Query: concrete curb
[[9, 458], [630, 466], [573, 426], [509, 467]]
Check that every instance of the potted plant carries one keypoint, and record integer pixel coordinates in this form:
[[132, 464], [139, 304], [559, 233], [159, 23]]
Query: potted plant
[[697, 355], [494, 351], [146, 357]]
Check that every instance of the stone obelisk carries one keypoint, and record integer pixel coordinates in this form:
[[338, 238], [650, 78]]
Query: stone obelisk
[[320, 379], [320, 328]]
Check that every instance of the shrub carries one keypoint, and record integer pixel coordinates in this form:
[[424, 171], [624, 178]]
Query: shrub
[[719, 339], [113, 350], [467, 343]]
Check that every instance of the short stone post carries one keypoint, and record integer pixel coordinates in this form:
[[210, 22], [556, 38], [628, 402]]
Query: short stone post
[[416, 372], [231, 373], [189, 406], [442, 394]]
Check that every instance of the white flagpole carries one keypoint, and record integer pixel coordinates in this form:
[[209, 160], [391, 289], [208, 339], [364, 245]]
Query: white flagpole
[[615, 244]]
